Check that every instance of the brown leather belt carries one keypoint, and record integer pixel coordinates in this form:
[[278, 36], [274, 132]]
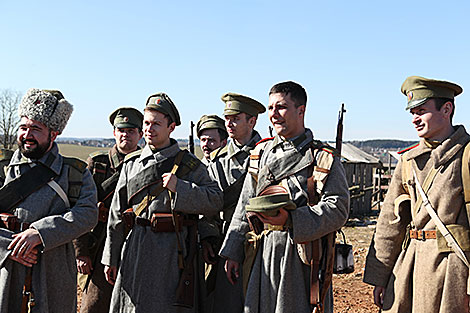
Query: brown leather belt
[[275, 227], [422, 234], [163, 222]]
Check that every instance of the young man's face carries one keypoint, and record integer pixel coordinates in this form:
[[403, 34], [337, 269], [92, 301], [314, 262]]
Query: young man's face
[[156, 129], [34, 138], [127, 139], [429, 122], [287, 120], [210, 140], [238, 126]]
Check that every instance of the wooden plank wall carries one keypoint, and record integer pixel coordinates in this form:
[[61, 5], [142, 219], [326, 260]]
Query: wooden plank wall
[[360, 176]]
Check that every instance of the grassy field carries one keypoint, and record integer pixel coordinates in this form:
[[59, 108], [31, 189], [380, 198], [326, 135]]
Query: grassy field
[[82, 152], [77, 151]]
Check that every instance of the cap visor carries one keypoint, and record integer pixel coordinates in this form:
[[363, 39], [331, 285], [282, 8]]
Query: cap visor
[[415, 103]]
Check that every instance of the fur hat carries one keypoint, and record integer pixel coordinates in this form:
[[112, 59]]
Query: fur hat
[[46, 106]]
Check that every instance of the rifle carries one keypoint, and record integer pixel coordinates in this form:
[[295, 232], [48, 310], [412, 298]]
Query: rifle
[[191, 138], [339, 129], [185, 289], [324, 247]]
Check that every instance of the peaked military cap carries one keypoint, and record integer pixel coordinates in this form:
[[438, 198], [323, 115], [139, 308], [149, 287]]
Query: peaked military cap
[[163, 104], [126, 117], [270, 201], [210, 122], [419, 89], [236, 103]]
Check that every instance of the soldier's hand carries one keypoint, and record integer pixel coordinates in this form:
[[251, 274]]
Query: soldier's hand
[[169, 181], [84, 265], [29, 260], [208, 253], [379, 293], [23, 243], [232, 270], [279, 219], [110, 272]]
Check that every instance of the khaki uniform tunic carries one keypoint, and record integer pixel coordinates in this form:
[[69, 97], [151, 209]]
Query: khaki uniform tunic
[[97, 296], [54, 282], [148, 272], [420, 278], [279, 280]]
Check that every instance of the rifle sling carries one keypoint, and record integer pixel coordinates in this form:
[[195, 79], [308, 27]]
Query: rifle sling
[[109, 185], [232, 192], [21, 187]]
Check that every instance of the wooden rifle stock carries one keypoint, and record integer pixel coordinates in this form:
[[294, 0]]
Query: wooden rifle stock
[[185, 290]]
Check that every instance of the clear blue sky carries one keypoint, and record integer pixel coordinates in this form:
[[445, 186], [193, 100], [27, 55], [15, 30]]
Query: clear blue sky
[[106, 54]]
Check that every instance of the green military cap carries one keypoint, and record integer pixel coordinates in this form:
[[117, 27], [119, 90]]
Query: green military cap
[[162, 103], [210, 122], [419, 90], [126, 117], [270, 201], [235, 103]]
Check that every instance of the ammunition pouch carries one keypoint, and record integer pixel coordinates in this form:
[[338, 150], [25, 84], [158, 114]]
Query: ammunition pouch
[[10, 222], [128, 217], [256, 225], [103, 212]]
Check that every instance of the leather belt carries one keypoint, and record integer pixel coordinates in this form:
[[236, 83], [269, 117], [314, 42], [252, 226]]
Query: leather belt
[[275, 227], [10, 222], [422, 234], [162, 225]]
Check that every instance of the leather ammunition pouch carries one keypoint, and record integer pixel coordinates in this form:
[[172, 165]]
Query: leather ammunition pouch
[[256, 225], [10, 222], [103, 212], [128, 216]]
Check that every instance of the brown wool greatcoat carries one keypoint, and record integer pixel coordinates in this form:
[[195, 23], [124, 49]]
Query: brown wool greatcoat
[[420, 278]]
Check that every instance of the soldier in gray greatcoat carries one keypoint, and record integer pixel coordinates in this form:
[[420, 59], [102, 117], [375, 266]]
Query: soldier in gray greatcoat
[[276, 278], [105, 167], [165, 188], [212, 135], [55, 212], [228, 167]]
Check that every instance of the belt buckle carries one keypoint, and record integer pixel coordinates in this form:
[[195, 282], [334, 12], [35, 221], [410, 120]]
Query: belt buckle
[[421, 235]]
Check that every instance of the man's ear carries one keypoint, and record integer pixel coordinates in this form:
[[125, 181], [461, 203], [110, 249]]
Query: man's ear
[[301, 111], [447, 109], [54, 135]]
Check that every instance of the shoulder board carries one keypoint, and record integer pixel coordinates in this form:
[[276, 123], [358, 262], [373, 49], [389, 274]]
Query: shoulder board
[[190, 160], [330, 150], [75, 163], [264, 139], [132, 155], [408, 148], [317, 144], [218, 152], [98, 153]]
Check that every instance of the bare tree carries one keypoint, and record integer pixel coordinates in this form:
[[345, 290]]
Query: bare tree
[[9, 120]]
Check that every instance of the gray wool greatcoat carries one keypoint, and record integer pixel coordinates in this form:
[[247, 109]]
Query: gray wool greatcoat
[[419, 278], [54, 282], [226, 169], [279, 281], [148, 272]]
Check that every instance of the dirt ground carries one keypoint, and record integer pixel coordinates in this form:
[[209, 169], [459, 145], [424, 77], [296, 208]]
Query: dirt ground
[[350, 293]]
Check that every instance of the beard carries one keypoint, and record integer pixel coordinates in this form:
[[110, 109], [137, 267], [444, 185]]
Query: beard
[[38, 151]]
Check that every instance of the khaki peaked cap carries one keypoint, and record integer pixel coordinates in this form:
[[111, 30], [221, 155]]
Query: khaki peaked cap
[[270, 201], [210, 122], [236, 103], [163, 104], [126, 117], [419, 89]]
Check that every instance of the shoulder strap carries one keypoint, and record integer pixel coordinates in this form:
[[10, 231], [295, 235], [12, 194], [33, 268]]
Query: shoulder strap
[[21, 187], [219, 151], [255, 156], [133, 155], [76, 169]]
